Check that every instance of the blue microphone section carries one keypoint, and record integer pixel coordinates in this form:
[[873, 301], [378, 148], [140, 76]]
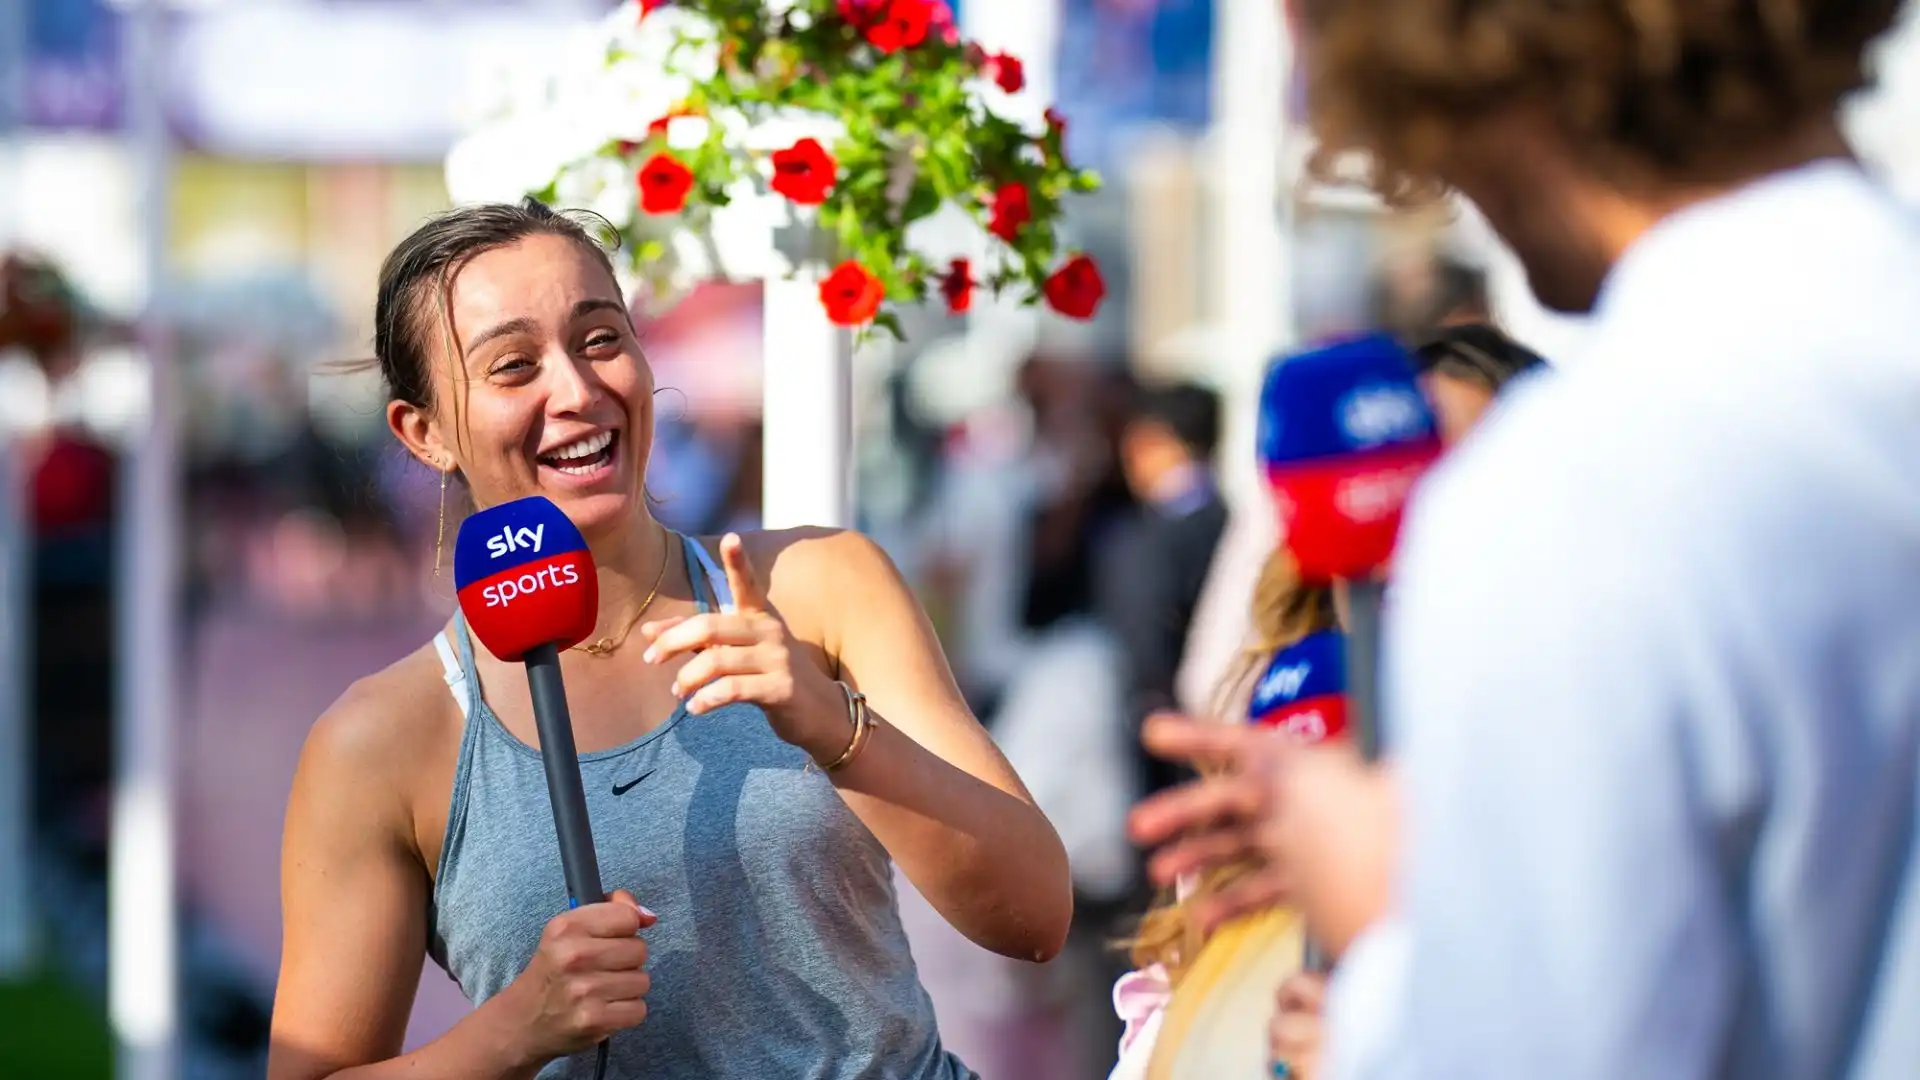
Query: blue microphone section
[[1315, 666], [504, 537], [1349, 397]]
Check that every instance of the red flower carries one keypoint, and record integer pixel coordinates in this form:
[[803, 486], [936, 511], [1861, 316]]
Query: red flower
[[804, 172], [1007, 72], [892, 25], [664, 184], [1055, 136], [851, 294], [957, 286], [1010, 210], [647, 6], [1076, 289]]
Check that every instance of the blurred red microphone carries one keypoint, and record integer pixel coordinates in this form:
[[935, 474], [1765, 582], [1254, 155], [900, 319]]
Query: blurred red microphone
[[1344, 434]]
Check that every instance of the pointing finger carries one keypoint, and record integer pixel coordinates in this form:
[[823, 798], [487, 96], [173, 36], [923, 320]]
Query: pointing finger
[[747, 594]]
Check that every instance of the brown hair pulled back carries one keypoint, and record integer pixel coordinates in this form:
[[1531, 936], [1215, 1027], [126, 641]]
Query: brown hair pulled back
[[417, 277], [1688, 91]]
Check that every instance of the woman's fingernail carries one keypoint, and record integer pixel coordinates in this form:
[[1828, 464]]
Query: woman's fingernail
[[651, 656], [647, 911]]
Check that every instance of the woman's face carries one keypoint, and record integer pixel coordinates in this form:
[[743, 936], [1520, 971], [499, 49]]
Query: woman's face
[[543, 389]]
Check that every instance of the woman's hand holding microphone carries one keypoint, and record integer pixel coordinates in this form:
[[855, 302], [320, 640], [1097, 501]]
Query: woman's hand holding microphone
[[586, 981]]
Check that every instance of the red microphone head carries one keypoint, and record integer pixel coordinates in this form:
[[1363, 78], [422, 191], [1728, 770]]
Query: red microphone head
[[1303, 690], [525, 578], [1343, 435]]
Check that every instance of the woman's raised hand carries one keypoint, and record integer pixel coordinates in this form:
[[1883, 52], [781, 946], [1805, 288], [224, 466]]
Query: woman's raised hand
[[748, 655]]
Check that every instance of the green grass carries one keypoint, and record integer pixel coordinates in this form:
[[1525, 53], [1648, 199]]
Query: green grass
[[50, 1032]]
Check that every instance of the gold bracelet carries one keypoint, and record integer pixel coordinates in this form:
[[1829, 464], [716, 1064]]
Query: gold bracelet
[[862, 719]]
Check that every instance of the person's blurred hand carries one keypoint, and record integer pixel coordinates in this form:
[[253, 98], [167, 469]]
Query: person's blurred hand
[[1320, 825], [1338, 833], [1225, 817], [1295, 1034]]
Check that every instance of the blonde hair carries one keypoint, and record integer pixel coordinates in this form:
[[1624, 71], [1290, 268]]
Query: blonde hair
[[1284, 610]]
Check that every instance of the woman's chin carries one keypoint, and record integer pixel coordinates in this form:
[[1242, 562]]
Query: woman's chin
[[597, 498], [597, 513]]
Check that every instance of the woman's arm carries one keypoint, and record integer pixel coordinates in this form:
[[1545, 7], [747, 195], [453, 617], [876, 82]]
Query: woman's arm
[[931, 784], [353, 898]]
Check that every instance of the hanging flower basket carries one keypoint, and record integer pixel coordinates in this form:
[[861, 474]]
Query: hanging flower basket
[[740, 140]]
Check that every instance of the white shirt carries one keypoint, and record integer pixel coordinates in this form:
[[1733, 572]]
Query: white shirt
[[1653, 673]]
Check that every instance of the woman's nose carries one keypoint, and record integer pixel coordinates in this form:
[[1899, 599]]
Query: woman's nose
[[573, 386]]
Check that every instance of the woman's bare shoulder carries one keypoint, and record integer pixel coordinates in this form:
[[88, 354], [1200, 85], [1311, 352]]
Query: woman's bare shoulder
[[812, 564], [386, 726], [803, 552]]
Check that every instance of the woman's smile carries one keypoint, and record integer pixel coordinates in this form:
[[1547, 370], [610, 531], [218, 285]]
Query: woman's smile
[[582, 460]]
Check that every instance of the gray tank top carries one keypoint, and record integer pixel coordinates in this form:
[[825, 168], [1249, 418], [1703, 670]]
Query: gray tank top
[[779, 952]]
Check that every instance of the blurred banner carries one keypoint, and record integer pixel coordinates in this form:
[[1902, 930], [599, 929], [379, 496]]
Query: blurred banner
[[394, 79], [303, 79], [72, 66], [1125, 65]]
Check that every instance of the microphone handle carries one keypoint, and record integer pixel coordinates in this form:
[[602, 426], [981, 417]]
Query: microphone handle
[[578, 863], [1364, 600], [1315, 958], [1363, 666]]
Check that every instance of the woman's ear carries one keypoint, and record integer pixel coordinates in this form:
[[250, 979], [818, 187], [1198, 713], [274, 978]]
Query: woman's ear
[[416, 430]]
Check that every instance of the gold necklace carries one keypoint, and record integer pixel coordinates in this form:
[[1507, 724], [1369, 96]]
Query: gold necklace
[[607, 644]]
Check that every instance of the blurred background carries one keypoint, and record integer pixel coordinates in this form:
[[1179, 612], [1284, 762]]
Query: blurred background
[[213, 185]]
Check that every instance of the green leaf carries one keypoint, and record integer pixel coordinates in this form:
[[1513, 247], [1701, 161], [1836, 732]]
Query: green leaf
[[921, 202]]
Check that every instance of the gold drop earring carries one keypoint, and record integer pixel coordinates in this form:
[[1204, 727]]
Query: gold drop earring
[[440, 531]]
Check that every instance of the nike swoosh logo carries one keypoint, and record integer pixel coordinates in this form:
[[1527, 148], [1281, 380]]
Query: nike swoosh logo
[[622, 789]]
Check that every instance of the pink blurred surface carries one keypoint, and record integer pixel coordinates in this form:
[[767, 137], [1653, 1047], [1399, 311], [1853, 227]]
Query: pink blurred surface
[[257, 682]]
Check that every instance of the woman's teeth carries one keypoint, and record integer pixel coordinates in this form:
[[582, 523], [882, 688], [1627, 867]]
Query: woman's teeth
[[582, 456]]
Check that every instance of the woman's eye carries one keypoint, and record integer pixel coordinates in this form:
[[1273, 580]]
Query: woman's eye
[[510, 365], [603, 340]]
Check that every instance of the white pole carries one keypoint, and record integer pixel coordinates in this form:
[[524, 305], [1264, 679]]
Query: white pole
[[16, 747], [143, 986], [1251, 60], [807, 388]]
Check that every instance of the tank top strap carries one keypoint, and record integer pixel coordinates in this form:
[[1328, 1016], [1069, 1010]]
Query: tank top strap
[[453, 671], [701, 567], [455, 646]]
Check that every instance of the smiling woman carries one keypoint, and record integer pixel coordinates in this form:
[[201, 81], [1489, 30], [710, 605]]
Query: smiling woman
[[792, 718]]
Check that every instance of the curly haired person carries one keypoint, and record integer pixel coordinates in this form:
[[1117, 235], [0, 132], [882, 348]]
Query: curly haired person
[[1652, 710]]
